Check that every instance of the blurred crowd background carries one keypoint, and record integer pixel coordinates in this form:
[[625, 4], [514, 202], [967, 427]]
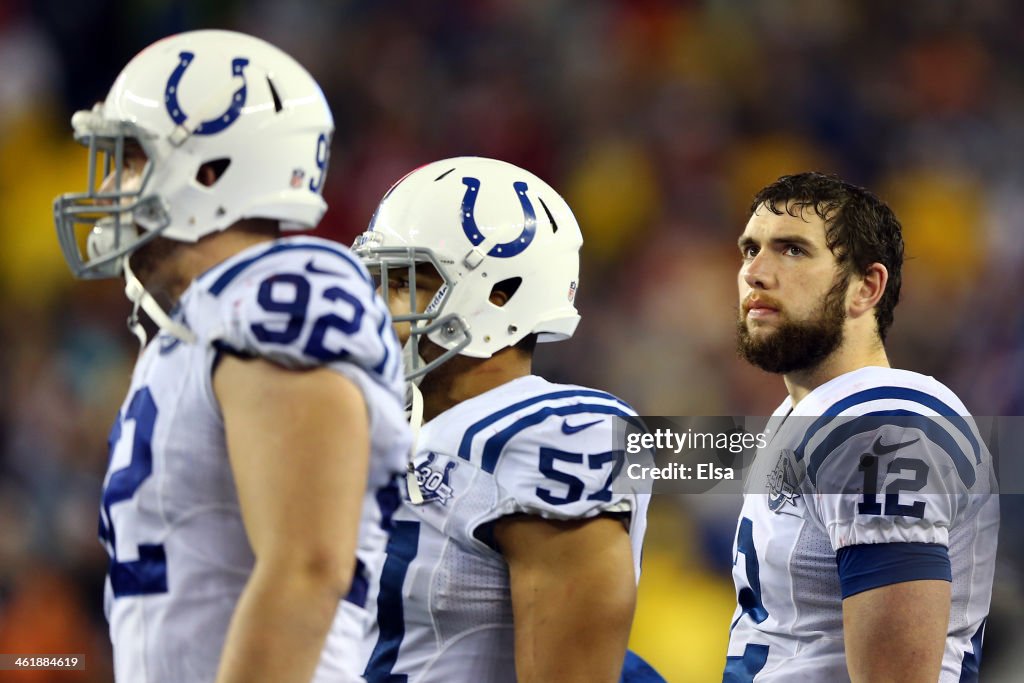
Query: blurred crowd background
[[657, 120]]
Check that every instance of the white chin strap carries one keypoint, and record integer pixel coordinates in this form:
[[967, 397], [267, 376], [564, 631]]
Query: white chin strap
[[140, 298], [415, 420]]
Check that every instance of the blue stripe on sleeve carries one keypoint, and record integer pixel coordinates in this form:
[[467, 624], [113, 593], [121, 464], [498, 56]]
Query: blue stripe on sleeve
[[896, 418], [496, 444], [467, 439], [892, 393], [868, 566], [234, 271]]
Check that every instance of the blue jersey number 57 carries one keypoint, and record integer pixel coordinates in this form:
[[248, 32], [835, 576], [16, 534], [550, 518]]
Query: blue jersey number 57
[[574, 485]]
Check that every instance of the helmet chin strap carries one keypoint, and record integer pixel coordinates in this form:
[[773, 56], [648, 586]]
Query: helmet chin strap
[[415, 420], [140, 298]]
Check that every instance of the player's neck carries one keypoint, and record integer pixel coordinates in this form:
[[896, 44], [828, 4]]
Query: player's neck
[[169, 280], [848, 357], [463, 378]]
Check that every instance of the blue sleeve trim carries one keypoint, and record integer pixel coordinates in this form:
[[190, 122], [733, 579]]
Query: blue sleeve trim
[[495, 445], [871, 422], [873, 565], [234, 271], [893, 393], [467, 439], [221, 349]]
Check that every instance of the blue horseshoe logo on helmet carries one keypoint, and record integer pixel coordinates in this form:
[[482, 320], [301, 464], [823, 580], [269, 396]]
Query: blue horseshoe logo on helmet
[[506, 249], [214, 125]]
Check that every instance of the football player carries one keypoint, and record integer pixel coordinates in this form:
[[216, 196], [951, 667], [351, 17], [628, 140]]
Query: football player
[[266, 417], [513, 556], [866, 543]]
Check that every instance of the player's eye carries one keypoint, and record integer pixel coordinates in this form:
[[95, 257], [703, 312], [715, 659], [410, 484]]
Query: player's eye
[[133, 152], [793, 250], [748, 251]]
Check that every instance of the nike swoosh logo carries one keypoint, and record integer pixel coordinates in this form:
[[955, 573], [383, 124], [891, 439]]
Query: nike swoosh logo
[[311, 268], [880, 448], [168, 343], [570, 429]]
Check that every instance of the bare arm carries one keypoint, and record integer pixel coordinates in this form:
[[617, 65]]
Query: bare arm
[[573, 595], [299, 446], [897, 632]]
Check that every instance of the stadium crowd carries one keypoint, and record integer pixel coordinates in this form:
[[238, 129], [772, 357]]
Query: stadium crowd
[[657, 120]]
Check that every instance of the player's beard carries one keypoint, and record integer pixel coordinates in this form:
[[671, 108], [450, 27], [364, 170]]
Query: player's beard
[[151, 264], [797, 345]]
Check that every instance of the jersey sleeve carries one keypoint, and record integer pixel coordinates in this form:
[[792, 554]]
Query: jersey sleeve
[[307, 306], [887, 489], [563, 468]]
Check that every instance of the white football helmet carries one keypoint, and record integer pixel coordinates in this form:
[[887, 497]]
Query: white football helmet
[[203, 97], [481, 224]]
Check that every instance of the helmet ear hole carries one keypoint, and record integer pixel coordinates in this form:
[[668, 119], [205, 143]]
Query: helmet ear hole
[[210, 172], [503, 291]]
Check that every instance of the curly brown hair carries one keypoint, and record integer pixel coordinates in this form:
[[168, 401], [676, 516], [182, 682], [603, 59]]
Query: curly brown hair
[[860, 228]]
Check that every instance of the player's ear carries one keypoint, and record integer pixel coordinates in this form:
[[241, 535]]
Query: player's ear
[[505, 290], [210, 172], [868, 289]]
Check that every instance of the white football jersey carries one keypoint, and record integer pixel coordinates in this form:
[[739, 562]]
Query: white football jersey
[[877, 477], [528, 446], [170, 519]]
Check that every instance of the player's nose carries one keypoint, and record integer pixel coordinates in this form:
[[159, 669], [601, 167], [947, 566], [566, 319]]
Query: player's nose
[[106, 187], [116, 185], [757, 273]]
